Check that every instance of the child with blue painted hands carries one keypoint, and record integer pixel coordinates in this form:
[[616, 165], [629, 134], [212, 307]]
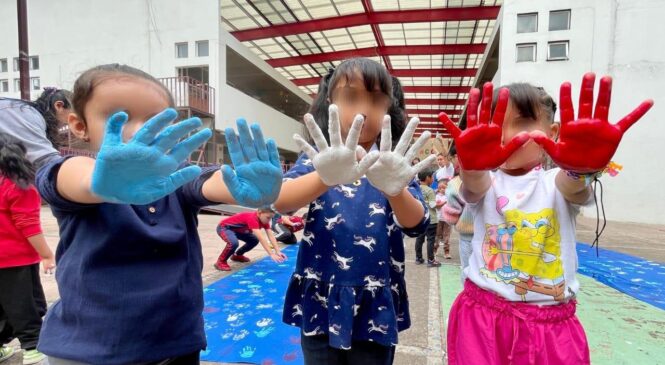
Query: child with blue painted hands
[[348, 293], [129, 254]]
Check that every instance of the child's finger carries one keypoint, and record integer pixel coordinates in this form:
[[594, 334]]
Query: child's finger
[[545, 142], [181, 177], [315, 132], [407, 136], [626, 122], [567, 112], [146, 134], [604, 96], [472, 108], [170, 136], [586, 95], [113, 134], [486, 103], [237, 158], [334, 132], [420, 166], [420, 142], [304, 146], [246, 140], [354, 133], [367, 162], [185, 148], [501, 106], [259, 142], [386, 135], [449, 125], [273, 153], [515, 143]]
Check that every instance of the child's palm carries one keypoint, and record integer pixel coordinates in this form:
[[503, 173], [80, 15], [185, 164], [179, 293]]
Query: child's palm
[[479, 147], [588, 143], [257, 179]]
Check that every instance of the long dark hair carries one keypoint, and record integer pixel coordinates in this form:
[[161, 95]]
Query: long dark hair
[[45, 105], [397, 111], [530, 101], [13, 162], [373, 74]]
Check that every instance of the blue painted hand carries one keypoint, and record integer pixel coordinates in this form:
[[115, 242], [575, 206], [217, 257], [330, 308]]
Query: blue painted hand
[[145, 169], [257, 178]]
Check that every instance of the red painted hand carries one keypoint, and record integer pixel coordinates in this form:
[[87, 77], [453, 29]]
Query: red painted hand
[[588, 143], [479, 146]]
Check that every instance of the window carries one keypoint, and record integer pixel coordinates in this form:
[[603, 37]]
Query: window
[[526, 52], [527, 23], [560, 20], [17, 85], [181, 50], [3, 65], [202, 49], [15, 64], [557, 51], [34, 63], [34, 81], [4, 86]]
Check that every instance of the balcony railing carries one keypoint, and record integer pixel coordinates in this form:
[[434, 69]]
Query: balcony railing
[[191, 93]]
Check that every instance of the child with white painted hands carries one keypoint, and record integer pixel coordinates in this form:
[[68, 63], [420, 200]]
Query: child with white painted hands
[[347, 293], [518, 304]]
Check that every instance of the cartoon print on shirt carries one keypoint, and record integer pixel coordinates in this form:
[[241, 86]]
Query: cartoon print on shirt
[[525, 252]]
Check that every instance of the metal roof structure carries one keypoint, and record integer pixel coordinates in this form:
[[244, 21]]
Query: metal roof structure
[[434, 47]]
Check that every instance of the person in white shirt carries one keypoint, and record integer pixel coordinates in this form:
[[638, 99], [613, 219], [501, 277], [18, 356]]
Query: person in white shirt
[[446, 169], [518, 303]]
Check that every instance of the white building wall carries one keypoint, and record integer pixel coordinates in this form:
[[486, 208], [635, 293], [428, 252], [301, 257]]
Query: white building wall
[[70, 36], [622, 39]]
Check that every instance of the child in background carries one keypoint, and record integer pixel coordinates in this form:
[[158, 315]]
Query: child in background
[[442, 228], [425, 178], [129, 248], [518, 304], [22, 247], [247, 227], [348, 293], [455, 214], [286, 226]]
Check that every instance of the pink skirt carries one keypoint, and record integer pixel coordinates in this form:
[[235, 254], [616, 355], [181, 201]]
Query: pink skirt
[[484, 328]]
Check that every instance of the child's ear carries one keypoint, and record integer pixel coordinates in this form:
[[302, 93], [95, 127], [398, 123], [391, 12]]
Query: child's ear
[[77, 126], [554, 131]]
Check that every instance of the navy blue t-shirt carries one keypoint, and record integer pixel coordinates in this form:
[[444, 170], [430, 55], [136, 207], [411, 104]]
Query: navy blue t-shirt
[[129, 277]]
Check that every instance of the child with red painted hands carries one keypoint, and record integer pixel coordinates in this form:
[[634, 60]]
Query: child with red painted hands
[[518, 303]]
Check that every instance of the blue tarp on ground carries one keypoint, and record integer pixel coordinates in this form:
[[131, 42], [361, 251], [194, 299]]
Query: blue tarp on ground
[[635, 276], [243, 316]]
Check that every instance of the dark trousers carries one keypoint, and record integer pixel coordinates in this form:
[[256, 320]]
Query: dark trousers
[[283, 234], [430, 235], [22, 305], [232, 240], [317, 352], [191, 359]]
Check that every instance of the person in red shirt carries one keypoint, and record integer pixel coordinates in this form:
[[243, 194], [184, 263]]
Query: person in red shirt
[[247, 227], [286, 226], [22, 247]]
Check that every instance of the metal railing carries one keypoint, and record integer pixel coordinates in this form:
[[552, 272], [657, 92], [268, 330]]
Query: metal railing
[[191, 93]]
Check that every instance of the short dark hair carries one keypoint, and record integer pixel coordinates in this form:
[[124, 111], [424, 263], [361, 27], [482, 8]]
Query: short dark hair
[[530, 101], [423, 175], [14, 164]]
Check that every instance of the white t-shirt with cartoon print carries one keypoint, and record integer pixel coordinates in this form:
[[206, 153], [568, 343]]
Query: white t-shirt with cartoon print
[[524, 239]]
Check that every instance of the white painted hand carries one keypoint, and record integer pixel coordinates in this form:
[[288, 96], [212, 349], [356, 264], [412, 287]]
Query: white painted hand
[[393, 171], [337, 163]]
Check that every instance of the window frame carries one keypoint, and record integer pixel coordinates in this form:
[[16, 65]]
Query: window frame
[[566, 43], [518, 22], [549, 25], [535, 51]]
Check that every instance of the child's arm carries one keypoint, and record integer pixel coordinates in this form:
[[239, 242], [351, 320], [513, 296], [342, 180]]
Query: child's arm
[[275, 244], [297, 193], [74, 180], [275, 256], [39, 243], [408, 210], [257, 178], [286, 220], [573, 190]]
